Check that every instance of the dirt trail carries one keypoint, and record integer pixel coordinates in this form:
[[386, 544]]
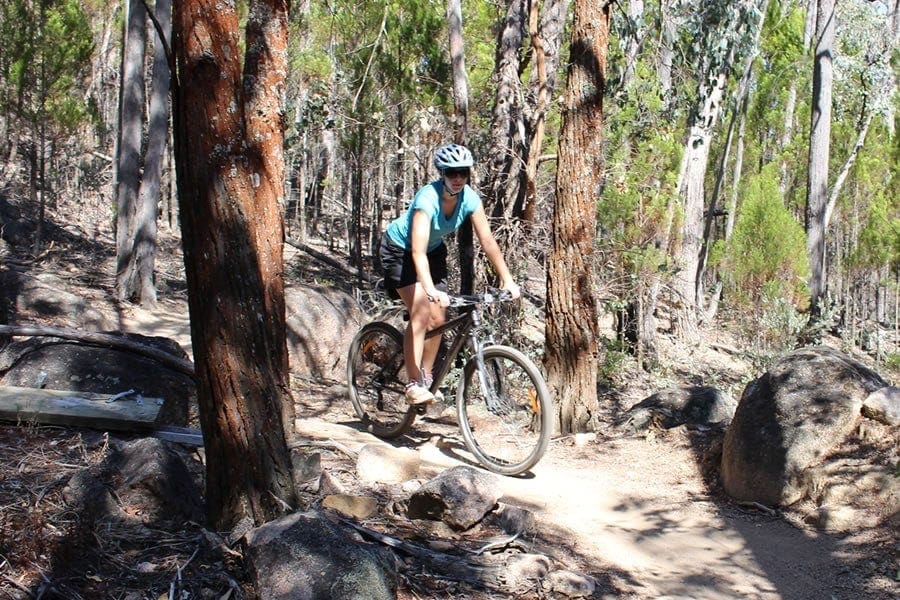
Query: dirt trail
[[636, 513], [633, 512]]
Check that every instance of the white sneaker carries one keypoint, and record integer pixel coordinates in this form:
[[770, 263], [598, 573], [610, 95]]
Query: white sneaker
[[416, 393], [438, 394]]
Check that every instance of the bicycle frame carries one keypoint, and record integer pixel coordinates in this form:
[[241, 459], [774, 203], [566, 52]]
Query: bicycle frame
[[464, 327]]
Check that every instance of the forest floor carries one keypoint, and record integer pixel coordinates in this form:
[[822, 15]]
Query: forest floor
[[640, 514]]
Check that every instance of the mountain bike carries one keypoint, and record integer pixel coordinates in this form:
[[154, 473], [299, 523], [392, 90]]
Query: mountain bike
[[502, 402]]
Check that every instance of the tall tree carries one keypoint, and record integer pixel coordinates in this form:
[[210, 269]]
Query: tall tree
[[788, 127], [465, 238], [739, 101], [507, 124], [723, 31], [128, 145], [520, 110], [819, 153], [136, 220], [572, 322], [458, 70], [229, 135]]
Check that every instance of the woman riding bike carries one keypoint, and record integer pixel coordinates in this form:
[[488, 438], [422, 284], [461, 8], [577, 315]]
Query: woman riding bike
[[414, 260]]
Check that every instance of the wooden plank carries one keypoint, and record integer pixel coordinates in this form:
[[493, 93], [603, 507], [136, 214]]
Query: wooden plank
[[78, 409], [181, 435]]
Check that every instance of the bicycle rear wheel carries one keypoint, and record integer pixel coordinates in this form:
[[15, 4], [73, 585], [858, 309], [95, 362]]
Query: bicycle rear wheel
[[506, 423], [374, 368]]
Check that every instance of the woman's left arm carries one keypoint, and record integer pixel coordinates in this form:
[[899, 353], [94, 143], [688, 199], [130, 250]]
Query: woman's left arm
[[492, 251]]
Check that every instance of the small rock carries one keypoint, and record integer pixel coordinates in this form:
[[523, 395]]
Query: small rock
[[380, 463], [328, 484], [460, 497], [411, 485], [146, 567], [569, 584], [883, 405], [355, 507], [306, 467], [512, 519], [524, 571]]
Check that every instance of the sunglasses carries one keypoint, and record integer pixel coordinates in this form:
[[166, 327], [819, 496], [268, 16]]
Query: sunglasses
[[456, 172]]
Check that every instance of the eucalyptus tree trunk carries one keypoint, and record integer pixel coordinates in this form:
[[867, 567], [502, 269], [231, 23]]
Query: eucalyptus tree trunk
[[666, 60], [135, 279], [128, 151], [507, 129], [731, 206], [572, 324], [464, 237], [690, 187], [819, 154], [741, 101], [635, 15], [228, 143], [546, 37], [787, 130], [458, 65], [725, 34], [518, 123]]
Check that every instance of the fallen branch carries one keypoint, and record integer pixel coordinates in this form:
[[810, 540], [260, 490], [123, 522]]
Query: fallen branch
[[496, 545], [177, 578], [445, 566], [108, 340], [758, 506], [329, 444]]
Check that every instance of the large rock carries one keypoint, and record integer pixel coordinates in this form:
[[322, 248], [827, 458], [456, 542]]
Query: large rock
[[321, 323], [140, 483], [304, 556], [683, 405], [68, 365], [460, 497], [45, 296], [789, 420], [155, 484]]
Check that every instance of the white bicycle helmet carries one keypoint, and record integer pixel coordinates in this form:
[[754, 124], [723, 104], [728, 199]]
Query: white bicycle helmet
[[453, 156]]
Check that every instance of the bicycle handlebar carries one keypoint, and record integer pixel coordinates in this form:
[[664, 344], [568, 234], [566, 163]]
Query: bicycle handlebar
[[489, 297]]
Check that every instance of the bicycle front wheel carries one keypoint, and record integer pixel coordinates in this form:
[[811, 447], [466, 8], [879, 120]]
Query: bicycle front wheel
[[506, 420], [374, 369]]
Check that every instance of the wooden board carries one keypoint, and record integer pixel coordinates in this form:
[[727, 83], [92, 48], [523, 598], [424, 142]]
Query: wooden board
[[181, 435], [78, 409]]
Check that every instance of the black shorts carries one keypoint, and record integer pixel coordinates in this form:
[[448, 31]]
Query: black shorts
[[399, 271]]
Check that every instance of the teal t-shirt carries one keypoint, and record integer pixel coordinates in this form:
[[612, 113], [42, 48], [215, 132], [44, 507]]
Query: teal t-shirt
[[428, 200]]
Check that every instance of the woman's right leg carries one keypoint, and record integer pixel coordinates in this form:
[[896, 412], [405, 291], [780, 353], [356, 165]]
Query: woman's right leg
[[417, 351], [424, 315], [419, 309]]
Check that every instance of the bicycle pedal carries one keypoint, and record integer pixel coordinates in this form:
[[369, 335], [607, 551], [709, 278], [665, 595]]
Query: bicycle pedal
[[422, 409]]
